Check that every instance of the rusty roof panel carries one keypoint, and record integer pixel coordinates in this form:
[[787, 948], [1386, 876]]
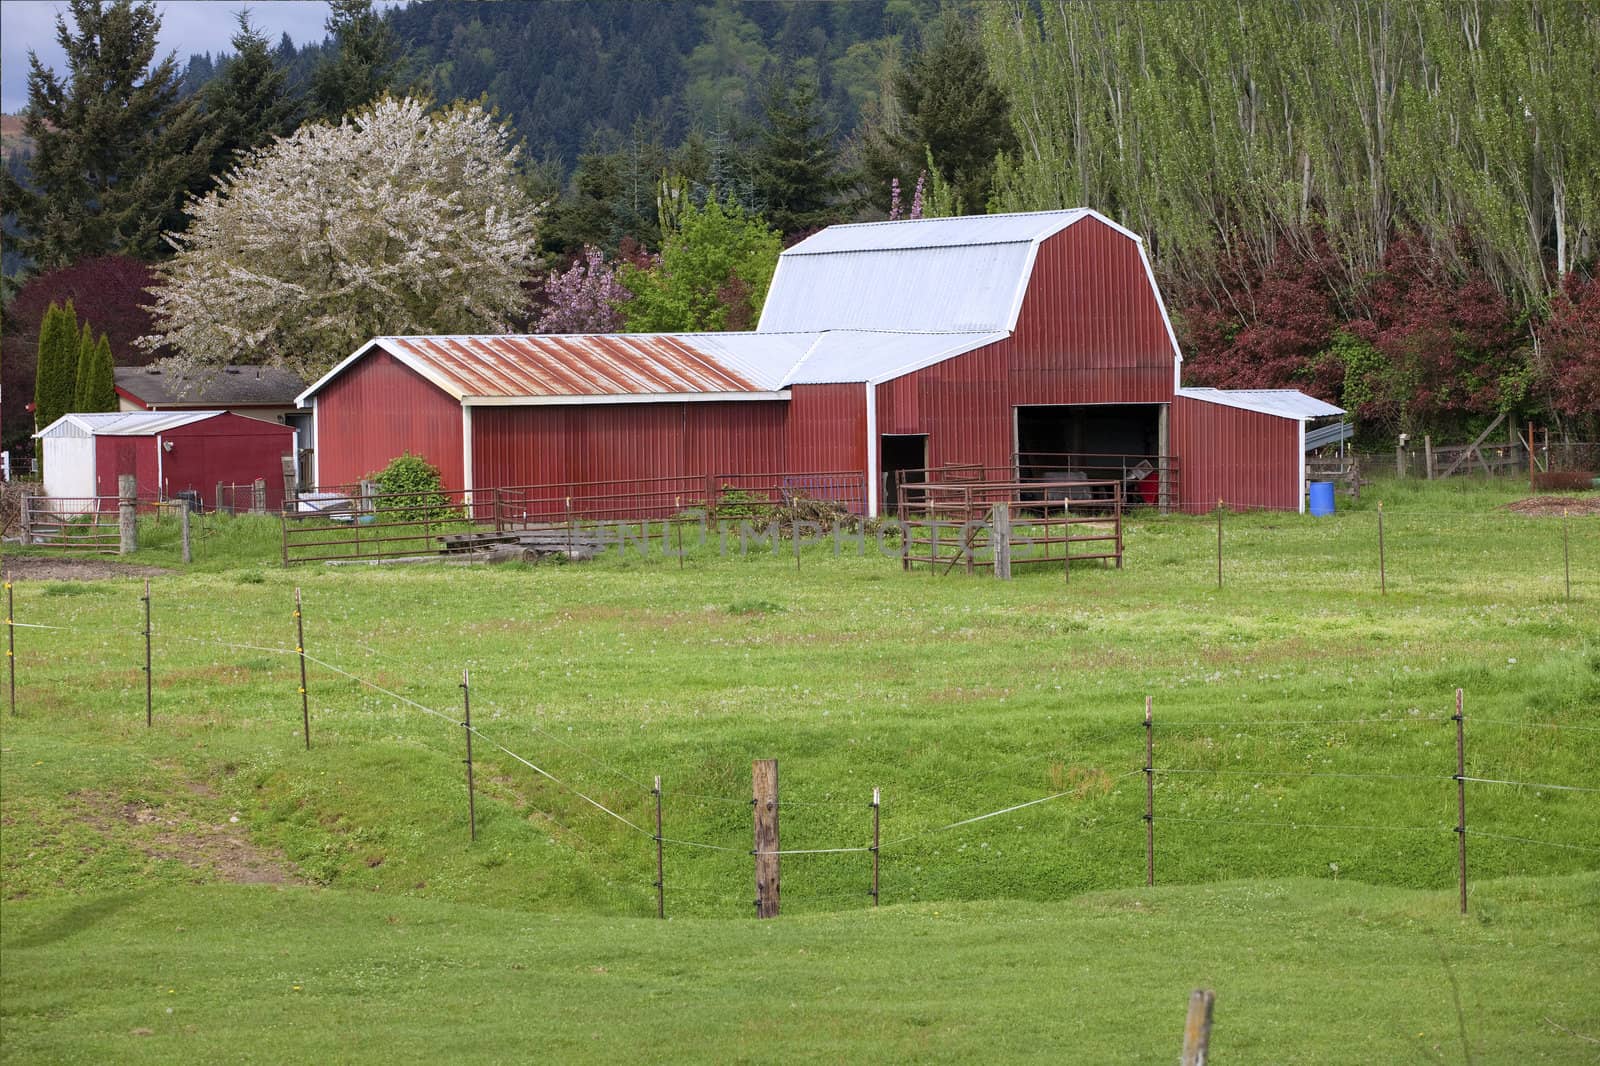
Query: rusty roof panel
[[592, 364]]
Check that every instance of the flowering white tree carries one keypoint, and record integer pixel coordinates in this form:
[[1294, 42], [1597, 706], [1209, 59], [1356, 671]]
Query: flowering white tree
[[395, 221]]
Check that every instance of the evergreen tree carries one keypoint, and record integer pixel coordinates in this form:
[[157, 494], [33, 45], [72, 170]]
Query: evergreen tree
[[115, 145], [249, 104], [795, 162], [100, 392], [56, 378], [949, 106], [83, 366], [362, 68]]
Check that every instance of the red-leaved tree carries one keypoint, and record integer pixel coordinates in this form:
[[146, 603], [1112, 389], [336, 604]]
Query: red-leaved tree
[[1571, 341], [1449, 348], [1275, 341], [109, 293]]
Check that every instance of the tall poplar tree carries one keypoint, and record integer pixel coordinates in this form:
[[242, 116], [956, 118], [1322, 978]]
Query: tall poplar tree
[[114, 145]]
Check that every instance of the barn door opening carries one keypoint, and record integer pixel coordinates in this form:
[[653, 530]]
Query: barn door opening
[[1097, 442], [904, 457]]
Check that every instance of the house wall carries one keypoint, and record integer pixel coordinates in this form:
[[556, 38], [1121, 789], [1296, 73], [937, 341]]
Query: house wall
[[1090, 330], [378, 409], [1243, 458]]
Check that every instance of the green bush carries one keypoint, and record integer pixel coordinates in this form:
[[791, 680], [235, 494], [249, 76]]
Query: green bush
[[410, 489]]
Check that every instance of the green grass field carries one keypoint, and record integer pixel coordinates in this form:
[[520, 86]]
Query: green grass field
[[328, 904]]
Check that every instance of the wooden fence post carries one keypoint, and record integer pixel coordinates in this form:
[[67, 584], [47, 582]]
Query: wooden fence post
[[1149, 795], [661, 880], [1566, 554], [1197, 1028], [300, 647], [183, 531], [27, 520], [466, 727], [1383, 569], [11, 646], [876, 808], [1461, 799], [764, 800], [258, 496], [149, 714], [1427, 455], [127, 514], [1219, 542], [1000, 539]]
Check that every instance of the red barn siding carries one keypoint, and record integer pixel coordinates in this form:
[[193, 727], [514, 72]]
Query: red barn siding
[[553, 444], [1090, 331], [381, 408], [827, 428], [228, 448], [1244, 458]]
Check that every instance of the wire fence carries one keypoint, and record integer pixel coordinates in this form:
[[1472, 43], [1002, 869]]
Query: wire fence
[[638, 794]]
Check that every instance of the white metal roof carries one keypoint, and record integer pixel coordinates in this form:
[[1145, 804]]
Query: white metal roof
[[842, 355], [1284, 403], [965, 230], [122, 423], [964, 274]]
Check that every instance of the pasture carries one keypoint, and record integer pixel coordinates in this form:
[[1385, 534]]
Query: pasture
[[207, 887]]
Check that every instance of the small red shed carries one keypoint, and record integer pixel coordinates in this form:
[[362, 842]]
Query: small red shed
[[1033, 343], [167, 452]]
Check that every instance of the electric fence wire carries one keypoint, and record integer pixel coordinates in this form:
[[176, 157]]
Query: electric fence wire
[[1529, 784], [1302, 773], [1309, 825], [1532, 725], [1530, 840]]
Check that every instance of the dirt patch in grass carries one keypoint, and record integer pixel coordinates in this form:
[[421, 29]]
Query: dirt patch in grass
[[168, 832], [1556, 505], [70, 568]]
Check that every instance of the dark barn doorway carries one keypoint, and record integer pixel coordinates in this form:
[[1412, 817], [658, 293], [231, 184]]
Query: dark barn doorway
[[902, 453], [1095, 442]]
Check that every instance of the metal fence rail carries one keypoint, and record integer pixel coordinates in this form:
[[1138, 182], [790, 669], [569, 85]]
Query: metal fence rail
[[995, 525]]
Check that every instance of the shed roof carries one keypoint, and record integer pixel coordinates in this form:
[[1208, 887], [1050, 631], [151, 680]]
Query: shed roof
[[1284, 403], [231, 386], [965, 274], [122, 423]]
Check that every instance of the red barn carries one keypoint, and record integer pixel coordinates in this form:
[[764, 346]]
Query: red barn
[[168, 452], [1029, 342]]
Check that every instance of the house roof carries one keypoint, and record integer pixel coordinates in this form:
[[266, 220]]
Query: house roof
[[1284, 403], [231, 386], [123, 423], [964, 274]]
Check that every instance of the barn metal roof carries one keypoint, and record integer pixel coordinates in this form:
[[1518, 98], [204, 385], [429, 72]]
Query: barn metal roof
[[529, 368], [225, 387], [845, 355], [122, 423], [937, 274], [1284, 403]]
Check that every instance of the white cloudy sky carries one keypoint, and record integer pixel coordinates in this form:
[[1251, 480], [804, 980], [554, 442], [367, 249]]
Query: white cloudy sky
[[187, 26]]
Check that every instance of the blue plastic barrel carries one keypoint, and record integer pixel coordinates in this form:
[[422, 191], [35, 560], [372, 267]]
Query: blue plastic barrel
[[1321, 497]]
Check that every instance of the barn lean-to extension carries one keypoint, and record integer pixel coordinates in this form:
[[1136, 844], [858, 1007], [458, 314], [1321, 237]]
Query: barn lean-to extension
[[882, 347]]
